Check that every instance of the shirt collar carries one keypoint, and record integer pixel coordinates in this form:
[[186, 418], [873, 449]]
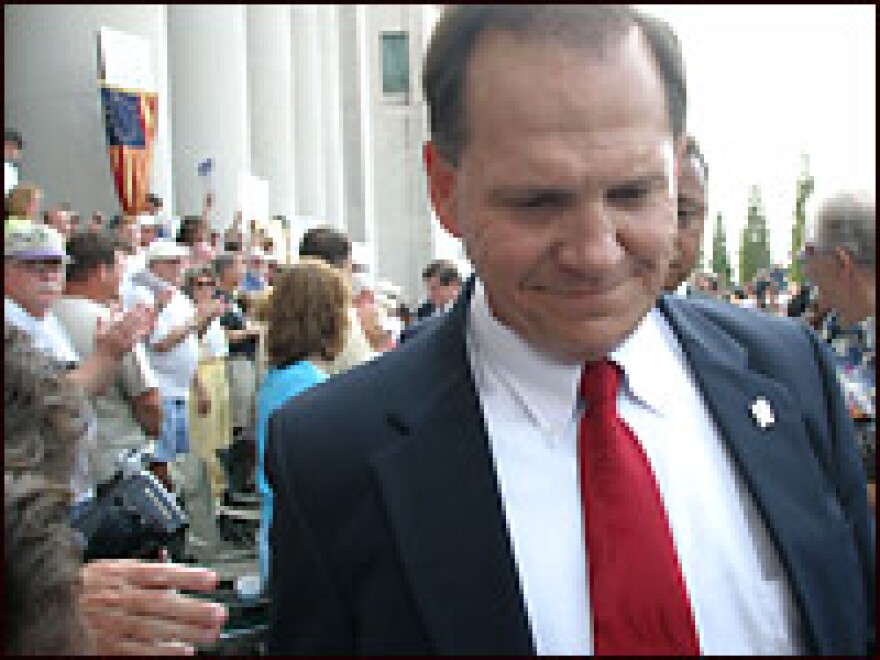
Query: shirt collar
[[548, 389], [645, 355], [545, 388]]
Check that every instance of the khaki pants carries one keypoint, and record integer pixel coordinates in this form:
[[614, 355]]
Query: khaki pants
[[214, 431]]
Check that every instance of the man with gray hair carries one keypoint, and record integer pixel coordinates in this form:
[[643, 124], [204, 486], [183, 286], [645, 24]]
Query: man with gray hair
[[840, 257], [840, 260]]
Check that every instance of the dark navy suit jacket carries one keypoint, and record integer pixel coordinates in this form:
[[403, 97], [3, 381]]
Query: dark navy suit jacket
[[389, 534]]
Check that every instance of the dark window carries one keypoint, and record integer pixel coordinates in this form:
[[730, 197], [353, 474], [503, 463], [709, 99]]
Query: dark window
[[395, 63]]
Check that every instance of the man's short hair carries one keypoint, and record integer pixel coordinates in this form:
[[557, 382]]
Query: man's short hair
[[848, 220], [14, 137], [431, 269], [327, 244], [584, 26], [87, 251], [188, 229]]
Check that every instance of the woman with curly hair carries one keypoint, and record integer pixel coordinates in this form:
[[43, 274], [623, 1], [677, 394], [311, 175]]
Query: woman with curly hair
[[306, 321]]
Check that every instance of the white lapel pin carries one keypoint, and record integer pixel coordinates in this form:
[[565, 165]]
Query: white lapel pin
[[762, 413]]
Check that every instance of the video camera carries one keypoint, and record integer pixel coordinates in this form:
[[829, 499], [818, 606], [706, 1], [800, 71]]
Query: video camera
[[131, 516]]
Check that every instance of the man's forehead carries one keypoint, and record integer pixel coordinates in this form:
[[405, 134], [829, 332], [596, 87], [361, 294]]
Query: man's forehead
[[565, 97], [570, 158]]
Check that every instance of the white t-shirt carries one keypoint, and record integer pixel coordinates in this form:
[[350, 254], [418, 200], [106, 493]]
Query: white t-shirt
[[174, 368], [47, 333]]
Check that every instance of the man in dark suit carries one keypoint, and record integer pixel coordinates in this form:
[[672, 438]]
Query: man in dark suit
[[447, 498], [442, 282], [444, 285]]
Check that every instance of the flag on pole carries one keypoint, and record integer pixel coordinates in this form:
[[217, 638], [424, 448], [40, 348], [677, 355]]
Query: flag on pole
[[130, 118]]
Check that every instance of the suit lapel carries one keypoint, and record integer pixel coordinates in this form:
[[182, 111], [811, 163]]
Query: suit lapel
[[444, 507], [778, 469]]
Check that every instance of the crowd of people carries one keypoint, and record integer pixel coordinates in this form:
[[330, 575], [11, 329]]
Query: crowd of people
[[182, 348], [494, 472]]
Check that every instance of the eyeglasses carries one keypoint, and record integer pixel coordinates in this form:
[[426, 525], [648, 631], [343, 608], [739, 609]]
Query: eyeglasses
[[203, 283], [41, 267]]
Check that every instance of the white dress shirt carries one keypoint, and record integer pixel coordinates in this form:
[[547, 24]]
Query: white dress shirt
[[741, 600]]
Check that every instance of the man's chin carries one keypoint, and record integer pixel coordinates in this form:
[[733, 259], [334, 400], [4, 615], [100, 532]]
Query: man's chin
[[580, 345]]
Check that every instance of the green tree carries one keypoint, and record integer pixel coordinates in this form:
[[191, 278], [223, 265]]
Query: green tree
[[754, 252], [720, 262], [805, 185]]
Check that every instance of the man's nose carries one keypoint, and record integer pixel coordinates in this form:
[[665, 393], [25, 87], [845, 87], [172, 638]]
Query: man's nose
[[590, 242]]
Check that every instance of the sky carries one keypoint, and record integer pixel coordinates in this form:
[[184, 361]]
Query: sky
[[767, 83]]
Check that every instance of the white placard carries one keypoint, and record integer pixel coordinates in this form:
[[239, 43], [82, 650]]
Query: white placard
[[124, 60], [253, 200]]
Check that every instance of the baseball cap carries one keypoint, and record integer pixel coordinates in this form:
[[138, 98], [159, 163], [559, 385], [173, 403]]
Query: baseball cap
[[163, 249], [148, 220], [32, 241]]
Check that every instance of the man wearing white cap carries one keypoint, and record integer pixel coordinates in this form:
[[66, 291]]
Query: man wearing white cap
[[173, 348], [33, 279]]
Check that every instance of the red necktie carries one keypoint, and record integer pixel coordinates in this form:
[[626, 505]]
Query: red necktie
[[639, 601]]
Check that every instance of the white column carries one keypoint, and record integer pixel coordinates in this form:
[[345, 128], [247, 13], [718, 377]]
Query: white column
[[269, 99], [331, 114], [207, 62], [352, 120], [365, 109], [308, 139]]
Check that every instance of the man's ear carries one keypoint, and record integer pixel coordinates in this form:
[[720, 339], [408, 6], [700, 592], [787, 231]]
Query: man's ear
[[442, 178]]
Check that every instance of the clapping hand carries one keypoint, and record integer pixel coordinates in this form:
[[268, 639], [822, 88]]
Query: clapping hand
[[116, 337]]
